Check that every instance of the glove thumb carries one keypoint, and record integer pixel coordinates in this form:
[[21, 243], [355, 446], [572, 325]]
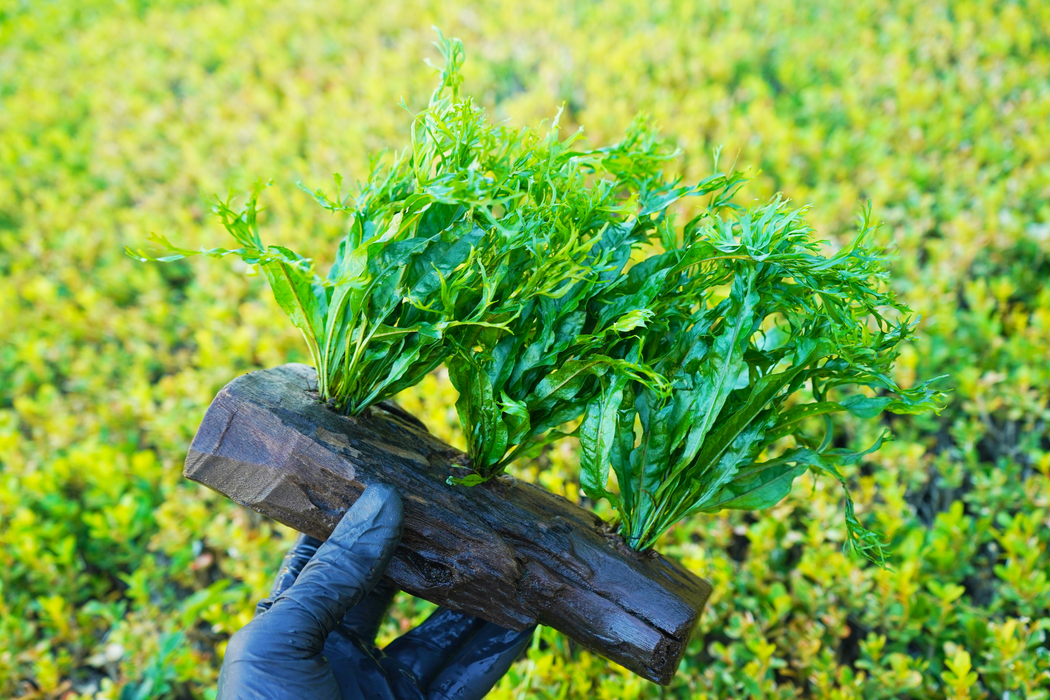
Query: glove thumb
[[340, 574]]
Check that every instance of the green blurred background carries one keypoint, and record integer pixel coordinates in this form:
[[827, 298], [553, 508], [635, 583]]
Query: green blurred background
[[118, 579]]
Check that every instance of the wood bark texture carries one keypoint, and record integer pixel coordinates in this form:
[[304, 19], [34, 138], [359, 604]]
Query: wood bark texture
[[506, 551]]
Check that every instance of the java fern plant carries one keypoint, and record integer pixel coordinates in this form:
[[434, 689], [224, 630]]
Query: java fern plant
[[757, 332], [554, 284]]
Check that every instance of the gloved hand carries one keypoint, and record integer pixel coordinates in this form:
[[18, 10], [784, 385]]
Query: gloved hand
[[315, 636]]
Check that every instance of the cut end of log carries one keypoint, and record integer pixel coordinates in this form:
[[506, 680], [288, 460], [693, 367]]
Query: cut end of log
[[506, 551]]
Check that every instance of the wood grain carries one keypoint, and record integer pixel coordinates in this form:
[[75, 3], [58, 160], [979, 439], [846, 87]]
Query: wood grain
[[506, 551]]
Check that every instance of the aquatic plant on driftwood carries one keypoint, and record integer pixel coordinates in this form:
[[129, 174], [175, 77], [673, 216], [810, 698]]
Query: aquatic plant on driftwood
[[697, 364]]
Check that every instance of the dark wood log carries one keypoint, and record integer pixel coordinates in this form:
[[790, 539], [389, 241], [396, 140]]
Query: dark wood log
[[506, 551]]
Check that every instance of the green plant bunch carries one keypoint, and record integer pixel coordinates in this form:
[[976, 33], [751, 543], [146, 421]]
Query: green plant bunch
[[563, 209], [757, 333], [376, 323], [519, 382], [427, 261]]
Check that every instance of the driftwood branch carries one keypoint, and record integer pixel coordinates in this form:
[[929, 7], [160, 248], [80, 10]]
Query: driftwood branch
[[506, 551]]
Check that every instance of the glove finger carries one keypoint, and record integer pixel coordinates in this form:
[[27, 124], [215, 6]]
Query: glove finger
[[480, 664], [363, 619], [301, 551], [425, 650], [340, 574], [358, 671]]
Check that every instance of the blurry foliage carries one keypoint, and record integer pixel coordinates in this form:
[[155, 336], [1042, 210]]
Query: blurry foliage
[[117, 579]]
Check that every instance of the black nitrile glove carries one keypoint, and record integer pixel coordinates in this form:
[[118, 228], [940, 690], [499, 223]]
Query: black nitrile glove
[[316, 639]]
